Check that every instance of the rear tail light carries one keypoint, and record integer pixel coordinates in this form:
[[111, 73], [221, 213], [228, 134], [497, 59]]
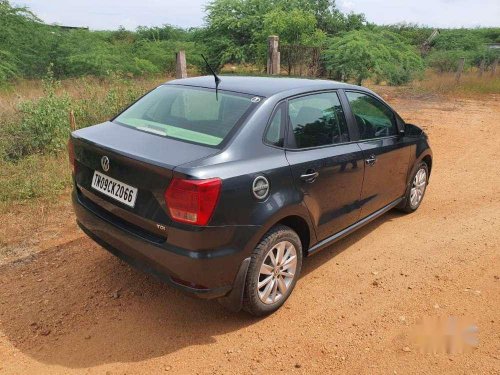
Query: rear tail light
[[192, 201], [71, 155]]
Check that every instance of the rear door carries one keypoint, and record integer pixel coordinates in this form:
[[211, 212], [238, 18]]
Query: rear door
[[385, 152], [327, 167]]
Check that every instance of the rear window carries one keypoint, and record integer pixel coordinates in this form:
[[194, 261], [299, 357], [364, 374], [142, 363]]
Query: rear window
[[188, 113]]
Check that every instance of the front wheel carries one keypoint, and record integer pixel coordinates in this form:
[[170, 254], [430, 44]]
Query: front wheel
[[416, 190], [273, 271]]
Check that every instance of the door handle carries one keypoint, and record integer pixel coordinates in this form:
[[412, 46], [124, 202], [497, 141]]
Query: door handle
[[310, 176], [371, 160]]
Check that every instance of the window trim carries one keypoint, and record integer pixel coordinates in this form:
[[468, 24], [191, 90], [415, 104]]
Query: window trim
[[288, 125], [283, 124], [355, 123]]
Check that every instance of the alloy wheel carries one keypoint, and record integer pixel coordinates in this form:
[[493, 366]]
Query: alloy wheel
[[418, 187], [277, 272]]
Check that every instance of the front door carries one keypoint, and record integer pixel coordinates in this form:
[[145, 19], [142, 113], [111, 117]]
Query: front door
[[385, 151], [327, 168]]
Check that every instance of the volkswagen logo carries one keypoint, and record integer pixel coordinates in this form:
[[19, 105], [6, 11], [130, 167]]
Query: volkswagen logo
[[105, 163], [260, 187]]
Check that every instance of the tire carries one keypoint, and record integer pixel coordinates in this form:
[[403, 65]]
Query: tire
[[411, 205], [273, 279]]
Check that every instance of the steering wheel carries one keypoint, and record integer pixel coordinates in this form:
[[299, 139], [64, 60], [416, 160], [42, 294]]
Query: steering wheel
[[362, 125]]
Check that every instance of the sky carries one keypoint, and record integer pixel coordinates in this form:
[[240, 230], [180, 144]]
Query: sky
[[110, 14]]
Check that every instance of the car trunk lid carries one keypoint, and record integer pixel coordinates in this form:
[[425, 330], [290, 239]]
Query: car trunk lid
[[140, 159]]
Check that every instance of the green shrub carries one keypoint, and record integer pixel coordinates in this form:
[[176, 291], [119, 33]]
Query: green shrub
[[44, 124], [459, 39], [8, 68], [413, 33], [451, 45], [381, 55], [447, 60], [96, 105]]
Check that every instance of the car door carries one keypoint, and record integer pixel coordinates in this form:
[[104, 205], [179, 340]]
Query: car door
[[327, 167], [385, 151]]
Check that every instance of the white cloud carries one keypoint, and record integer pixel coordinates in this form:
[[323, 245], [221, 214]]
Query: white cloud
[[437, 13], [108, 14], [346, 6]]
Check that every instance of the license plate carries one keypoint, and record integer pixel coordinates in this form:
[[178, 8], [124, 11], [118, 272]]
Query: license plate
[[115, 189]]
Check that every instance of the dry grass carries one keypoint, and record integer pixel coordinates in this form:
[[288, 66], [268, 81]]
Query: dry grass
[[470, 84], [34, 177], [77, 88], [445, 84]]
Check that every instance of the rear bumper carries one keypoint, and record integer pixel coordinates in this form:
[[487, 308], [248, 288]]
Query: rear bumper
[[208, 273]]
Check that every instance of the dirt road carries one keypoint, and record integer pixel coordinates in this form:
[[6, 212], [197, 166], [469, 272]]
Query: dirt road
[[67, 306]]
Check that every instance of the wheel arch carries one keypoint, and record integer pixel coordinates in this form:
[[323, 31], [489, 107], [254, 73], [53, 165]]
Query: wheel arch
[[295, 217], [423, 156], [427, 159], [301, 227]]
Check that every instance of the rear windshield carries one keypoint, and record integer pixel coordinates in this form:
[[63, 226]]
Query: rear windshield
[[191, 114]]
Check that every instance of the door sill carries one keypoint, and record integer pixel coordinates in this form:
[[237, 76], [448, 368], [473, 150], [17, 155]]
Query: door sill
[[344, 232]]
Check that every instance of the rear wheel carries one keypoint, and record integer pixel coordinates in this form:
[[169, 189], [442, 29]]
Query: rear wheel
[[416, 190], [273, 271]]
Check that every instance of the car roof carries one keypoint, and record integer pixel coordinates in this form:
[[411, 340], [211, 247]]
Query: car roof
[[263, 86]]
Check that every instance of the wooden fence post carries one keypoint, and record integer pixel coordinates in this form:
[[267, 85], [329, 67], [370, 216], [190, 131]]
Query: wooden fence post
[[482, 66], [494, 67], [72, 121], [460, 69], [426, 46], [180, 69], [273, 56]]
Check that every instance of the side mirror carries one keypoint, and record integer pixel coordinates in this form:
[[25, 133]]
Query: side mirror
[[401, 126]]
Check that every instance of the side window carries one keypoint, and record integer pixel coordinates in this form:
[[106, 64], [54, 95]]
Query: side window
[[274, 134], [374, 119], [317, 120]]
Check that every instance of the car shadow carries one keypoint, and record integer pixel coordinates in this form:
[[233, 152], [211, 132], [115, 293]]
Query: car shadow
[[317, 259], [77, 306]]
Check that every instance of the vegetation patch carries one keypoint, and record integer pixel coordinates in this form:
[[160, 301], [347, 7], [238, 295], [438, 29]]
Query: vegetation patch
[[379, 55], [236, 32]]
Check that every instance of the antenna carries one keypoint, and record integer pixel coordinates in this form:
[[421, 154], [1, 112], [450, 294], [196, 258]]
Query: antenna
[[216, 77]]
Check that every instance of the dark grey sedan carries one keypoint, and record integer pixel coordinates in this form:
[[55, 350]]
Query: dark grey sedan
[[222, 193]]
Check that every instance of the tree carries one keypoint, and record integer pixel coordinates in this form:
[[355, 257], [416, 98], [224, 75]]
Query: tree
[[415, 34], [233, 27], [293, 27], [25, 42], [8, 68], [237, 30], [382, 55], [161, 33]]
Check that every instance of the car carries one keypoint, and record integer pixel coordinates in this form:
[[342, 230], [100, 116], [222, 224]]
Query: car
[[222, 187]]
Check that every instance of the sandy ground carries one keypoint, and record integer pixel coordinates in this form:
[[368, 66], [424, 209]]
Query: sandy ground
[[67, 306]]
